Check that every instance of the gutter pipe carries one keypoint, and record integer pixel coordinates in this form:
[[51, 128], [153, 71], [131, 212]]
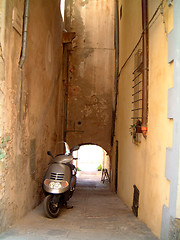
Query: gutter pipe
[[116, 44], [145, 67], [25, 33]]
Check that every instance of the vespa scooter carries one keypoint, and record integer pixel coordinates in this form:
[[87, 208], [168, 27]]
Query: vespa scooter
[[59, 182]]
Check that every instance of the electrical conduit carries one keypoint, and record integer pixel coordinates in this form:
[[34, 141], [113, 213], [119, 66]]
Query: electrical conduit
[[25, 33]]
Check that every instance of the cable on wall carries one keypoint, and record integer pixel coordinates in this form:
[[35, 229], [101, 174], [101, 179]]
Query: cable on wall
[[150, 21]]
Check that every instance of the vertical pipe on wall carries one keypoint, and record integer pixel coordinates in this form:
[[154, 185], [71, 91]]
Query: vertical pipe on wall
[[66, 58], [116, 44], [25, 32], [2, 22], [145, 67]]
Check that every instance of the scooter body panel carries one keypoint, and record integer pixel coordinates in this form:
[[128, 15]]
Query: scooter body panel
[[59, 175]]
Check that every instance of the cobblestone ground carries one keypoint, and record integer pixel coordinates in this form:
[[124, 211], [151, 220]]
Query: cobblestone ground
[[97, 214]]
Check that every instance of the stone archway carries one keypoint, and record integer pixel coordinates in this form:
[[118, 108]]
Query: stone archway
[[90, 73], [91, 157]]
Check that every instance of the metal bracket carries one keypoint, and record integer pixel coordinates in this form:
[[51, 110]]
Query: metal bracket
[[170, 3]]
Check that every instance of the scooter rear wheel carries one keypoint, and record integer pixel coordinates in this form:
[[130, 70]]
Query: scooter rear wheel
[[50, 208]]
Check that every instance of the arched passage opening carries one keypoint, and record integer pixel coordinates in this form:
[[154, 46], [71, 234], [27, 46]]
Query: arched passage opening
[[91, 157]]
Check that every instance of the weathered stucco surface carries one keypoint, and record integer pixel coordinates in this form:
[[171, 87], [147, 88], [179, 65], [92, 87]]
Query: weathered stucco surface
[[143, 164], [91, 72], [30, 119], [34, 111]]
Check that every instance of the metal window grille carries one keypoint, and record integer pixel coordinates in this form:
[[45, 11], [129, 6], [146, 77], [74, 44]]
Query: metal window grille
[[137, 87]]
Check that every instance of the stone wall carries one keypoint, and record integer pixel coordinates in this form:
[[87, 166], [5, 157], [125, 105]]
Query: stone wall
[[30, 104], [91, 72]]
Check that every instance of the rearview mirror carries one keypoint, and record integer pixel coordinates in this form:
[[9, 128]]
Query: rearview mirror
[[50, 154]]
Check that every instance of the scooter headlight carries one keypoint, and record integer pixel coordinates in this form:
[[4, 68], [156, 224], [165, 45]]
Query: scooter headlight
[[55, 184]]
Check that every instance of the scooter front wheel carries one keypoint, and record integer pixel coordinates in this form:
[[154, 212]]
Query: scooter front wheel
[[51, 209]]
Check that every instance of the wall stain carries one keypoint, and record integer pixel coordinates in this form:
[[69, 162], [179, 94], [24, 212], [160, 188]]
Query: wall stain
[[83, 3]]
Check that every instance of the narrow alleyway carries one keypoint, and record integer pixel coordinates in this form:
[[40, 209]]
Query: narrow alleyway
[[97, 214]]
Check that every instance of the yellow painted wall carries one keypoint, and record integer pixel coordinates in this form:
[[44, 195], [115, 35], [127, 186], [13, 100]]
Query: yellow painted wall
[[144, 164]]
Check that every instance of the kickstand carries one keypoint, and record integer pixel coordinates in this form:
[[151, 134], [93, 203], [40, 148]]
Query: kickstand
[[68, 206]]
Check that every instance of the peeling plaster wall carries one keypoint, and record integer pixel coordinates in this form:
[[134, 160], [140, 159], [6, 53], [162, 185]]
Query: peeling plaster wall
[[91, 72], [30, 105]]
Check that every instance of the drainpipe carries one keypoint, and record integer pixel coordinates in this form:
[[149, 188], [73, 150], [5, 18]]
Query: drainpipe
[[145, 67], [116, 43], [25, 33], [66, 91]]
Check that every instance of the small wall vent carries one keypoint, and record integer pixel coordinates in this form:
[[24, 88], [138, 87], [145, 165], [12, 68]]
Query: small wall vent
[[135, 201]]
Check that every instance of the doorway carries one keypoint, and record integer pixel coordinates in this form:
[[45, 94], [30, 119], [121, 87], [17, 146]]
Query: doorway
[[116, 168]]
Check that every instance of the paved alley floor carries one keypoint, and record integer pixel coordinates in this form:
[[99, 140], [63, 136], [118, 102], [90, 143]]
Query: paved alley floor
[[97, 214]]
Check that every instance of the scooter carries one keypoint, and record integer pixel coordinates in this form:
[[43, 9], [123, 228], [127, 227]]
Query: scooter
[[59, 182]]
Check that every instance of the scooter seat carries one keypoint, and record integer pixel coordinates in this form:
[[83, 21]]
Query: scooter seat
[[63, 159]]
